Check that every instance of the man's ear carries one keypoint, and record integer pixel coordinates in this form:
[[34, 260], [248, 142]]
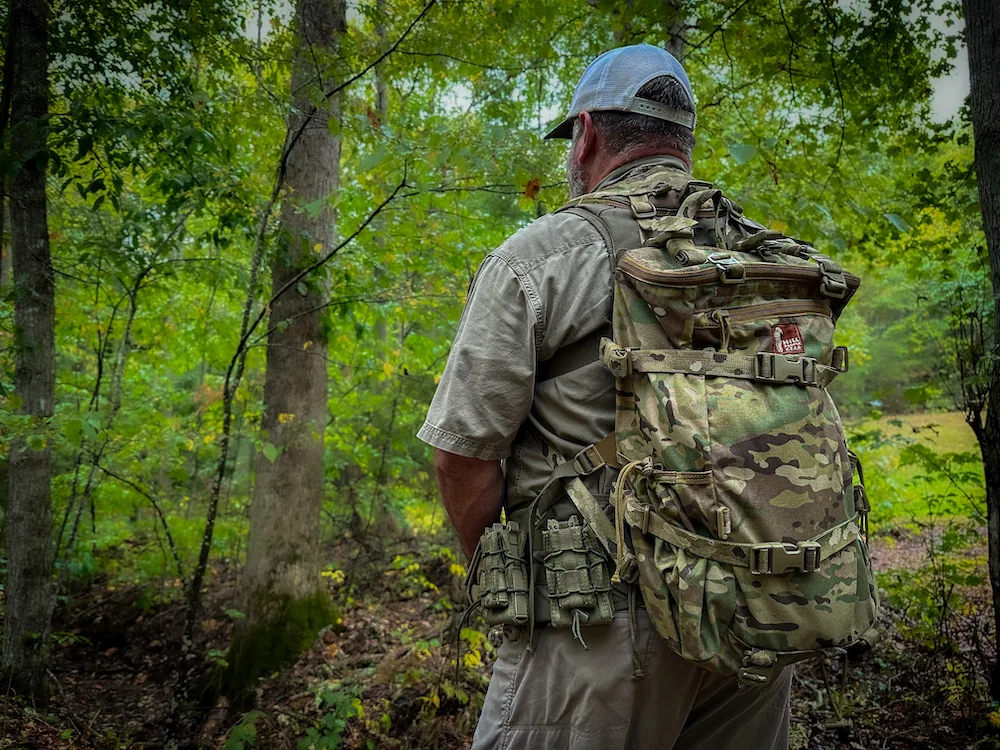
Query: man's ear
[[586, 142]]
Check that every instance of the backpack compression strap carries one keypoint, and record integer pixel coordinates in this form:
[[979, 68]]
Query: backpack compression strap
[[766, 367], [765, 558]]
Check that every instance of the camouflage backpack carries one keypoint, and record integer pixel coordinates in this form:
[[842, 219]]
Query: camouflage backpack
[[735, 509]]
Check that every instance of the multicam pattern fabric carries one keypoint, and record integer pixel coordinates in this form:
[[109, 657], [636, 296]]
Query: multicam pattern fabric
[[728, 439]]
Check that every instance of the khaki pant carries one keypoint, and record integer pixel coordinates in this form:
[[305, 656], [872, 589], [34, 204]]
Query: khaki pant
[[562, 697]]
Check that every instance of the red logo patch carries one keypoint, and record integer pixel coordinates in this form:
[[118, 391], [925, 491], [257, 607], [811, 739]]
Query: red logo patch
[[787, 339]]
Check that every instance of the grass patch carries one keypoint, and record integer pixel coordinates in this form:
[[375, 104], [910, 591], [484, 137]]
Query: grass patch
[[919, 467], [945, 431]]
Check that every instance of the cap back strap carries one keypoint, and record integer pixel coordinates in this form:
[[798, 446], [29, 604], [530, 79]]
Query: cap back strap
[[661, 111]]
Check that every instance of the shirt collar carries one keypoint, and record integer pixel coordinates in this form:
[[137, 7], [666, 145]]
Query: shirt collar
[[644, 164]]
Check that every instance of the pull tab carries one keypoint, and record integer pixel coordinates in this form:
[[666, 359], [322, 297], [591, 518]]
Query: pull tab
[[721, 317], [579, 618], [755, 243], [693, 203], [724, 525], [758, 667]]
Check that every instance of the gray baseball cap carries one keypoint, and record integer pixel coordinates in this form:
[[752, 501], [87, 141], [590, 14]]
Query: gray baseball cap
[[612, 80]]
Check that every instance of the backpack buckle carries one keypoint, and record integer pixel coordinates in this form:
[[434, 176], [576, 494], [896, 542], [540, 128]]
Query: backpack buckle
[[776, 558], [782, 368], [833, 283], [588, 460], [731, 270], [642, 207]]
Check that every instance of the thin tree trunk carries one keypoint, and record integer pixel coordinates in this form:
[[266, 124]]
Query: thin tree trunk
[[29, 570], [5, 98], [982, 36], [676, 26], [381, 88], [282, 599], [622, 13]]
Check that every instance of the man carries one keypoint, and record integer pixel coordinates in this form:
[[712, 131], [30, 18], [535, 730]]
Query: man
[[514, 389]]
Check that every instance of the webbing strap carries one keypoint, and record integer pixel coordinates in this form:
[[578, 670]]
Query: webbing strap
[[586, 350], [766, 367], [592, 512], [591, 459], [762, 558], [596, 222], [572, 356]]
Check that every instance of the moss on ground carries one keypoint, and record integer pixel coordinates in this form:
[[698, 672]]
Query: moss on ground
[[262, 648]]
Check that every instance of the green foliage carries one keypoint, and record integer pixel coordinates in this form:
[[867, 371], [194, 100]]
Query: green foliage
[[341, 706], [927, 596], [164, 152], [910, 474], [244, 733]]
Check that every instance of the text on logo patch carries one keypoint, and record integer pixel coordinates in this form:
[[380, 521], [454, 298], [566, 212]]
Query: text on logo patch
[[787, 339]]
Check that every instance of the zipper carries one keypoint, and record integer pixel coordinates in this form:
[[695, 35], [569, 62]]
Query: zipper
[[696, 276], [765, 310]]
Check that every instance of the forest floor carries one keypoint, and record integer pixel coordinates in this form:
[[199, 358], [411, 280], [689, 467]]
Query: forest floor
[[385, 677]]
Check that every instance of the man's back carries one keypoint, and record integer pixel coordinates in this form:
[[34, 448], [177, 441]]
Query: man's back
[[547, 288]]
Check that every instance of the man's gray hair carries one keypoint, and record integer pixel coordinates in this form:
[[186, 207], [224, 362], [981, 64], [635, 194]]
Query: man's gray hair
[[627, 132]]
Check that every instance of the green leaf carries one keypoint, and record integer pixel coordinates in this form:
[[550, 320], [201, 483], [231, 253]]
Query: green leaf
[[84, 146], [73, 430], [270, 452], [742, 152], [372, 160], [312, 209], [899, 222], [91, 425]]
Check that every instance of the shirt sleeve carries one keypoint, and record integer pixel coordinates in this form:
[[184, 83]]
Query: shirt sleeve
[[487, 387]]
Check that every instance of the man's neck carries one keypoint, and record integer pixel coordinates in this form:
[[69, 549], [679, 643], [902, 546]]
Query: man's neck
[[606, 167]]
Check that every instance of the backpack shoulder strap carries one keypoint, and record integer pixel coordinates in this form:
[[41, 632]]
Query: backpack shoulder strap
[[596, 222], [619, 234], [586, 350]]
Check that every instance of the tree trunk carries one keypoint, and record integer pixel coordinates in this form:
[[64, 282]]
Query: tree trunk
[[29, 563], [381, 88], [676, 26], [4, 243], [5, 96], [283, 603], [982, 36]]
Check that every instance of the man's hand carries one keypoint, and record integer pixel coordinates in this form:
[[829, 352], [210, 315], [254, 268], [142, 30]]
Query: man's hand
[[472, 491]]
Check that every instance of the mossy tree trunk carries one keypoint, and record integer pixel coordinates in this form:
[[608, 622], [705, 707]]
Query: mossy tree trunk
[[282, 601], [982, 35], [29, 551]]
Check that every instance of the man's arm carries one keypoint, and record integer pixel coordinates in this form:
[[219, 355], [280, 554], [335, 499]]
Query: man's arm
[[472, 491]]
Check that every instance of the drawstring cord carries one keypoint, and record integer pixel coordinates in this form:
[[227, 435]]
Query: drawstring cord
[[625, 561], [579, 618]]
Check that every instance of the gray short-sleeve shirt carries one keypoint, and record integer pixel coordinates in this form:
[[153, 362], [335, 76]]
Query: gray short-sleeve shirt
[[547, 286]]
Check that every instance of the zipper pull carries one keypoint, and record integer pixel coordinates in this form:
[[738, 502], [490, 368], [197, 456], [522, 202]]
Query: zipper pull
[[721, 317]]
